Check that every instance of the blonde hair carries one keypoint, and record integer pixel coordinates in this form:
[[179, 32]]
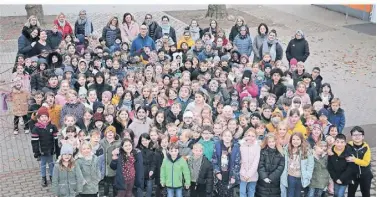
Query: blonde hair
[[277, 145], [197, 145]]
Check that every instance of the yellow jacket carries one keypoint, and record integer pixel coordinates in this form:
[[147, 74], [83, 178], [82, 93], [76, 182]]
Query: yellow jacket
[[115, 100], [362, 155], [299, 127], [190, 42]]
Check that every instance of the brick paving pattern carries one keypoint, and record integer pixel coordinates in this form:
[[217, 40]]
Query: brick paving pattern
[[19, 171]]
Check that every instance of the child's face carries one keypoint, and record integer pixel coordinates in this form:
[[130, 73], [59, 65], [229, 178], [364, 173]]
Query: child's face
[[227, 137], [72, 98], [330, 140], [250, 137], [187, 120], [217, 129], [173, 152], [99, 124], [175, 109], [109, 118], [164, 143], [340, 144], [253, 106], [69, 121], [183, 138], [271, 143], [300, 67], [307, 112], [206, 135], [110, 135], [260, 130], [318, 150], [357, 137], [85, 150], [105, 98], [160, 118], [38, 98], [20, 69], [141, 114], [267, 113], [127, 147], [172, 131], [95, 138], [43, 119], [266, 58], [323, 118], [296, 141], [271, 101], [172, 94], [145, 142], [70, 135], [255, 120], [197, 152], [243, 121], [232, 125], [196, 134], [154, 136], [66, 157], [335, 106], [113, 80]]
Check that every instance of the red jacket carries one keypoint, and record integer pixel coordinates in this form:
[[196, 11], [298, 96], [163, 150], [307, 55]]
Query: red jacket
[[251, 90], [67, 29]]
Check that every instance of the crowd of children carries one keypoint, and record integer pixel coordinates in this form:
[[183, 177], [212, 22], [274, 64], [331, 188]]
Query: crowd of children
[[136, 114]]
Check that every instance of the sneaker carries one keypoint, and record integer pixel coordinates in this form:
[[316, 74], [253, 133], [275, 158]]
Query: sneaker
[[15, 132], [26, 131]]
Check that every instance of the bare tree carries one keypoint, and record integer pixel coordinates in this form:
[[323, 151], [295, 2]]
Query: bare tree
[[217, 11], [36, 10]]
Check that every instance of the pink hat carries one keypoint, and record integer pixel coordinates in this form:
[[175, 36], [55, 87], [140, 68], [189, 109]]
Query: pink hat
[[293, 61]]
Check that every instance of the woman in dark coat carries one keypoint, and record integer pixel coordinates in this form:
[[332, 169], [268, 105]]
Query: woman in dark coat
[[298, 48], [240, 21], [26, 43], [111, 32], [271, 166], [272, 46], [100, 85], [165, 28]]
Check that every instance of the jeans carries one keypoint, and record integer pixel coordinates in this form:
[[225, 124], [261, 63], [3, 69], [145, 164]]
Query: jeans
[[177, 191], [149, 187], [294, 186], [339, 190], [247, 189], [47, 160], [315, 192]]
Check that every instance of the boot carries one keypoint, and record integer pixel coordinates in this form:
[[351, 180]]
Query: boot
[[44, 182], [51, 179]]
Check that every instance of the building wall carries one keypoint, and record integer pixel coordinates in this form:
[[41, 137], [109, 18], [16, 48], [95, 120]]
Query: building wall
[[360, 11]]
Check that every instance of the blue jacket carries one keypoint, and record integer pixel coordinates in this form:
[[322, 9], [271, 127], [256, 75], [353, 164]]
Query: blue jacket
[[244, 46], [338, 119], [234, 165], [139, 171], [139, 43], [24, 45]]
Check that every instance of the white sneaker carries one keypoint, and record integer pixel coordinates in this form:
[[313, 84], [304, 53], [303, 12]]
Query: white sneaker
[[15, 132], [27, 131]]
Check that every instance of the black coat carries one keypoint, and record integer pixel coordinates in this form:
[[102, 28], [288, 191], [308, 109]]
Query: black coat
[[149, 162], [152, 28], [44, 140], [279, 51], [38, 81], [298, 49], [312, 92], [100, 89], [54, 39], [271, 165], [206, 175], [339, 168], [158, 34], [171, 118], [158, 158], [278, 89]]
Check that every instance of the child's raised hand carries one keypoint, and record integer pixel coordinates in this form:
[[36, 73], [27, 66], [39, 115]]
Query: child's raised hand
[[232, 181], [115, 151], [150, 173]]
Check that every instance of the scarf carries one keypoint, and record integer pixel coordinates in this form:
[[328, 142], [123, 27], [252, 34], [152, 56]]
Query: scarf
[[300, 93], [88, 26], [41, 125], [61, 24], [112, 27], [165, 29], [195, 165], [195, 33], [272, 50]]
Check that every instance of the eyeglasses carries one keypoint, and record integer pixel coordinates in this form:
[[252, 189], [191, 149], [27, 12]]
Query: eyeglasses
[[357, 135]]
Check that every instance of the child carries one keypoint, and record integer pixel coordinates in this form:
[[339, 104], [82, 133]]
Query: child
[[282, 134], [323, 115], [67, 172], [175, 114], [69, 121], [160, 154], [201, 173], [109, 143], [341, 171], [187, 120], [149, 164], [206, 141], [321, 176], [183, 144], [95, 137], [226, 163], [53, 109], [44, 142], [299, 165], [99, 121], [73, 107], [250, 154], [362, 161], [270, 168], [336, 115], [19, 97], [127, 162], [172, 168], [141, 123], [90, 166], [260, 131], [33, 108], [172, 132], [217, 132]]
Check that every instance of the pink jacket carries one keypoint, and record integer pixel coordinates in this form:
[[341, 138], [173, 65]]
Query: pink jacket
[[249, 162], [60, 99], [129, 33], [251, 90], [305, 99]]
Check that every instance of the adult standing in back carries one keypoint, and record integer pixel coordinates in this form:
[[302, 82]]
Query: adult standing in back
[[259, 40], [129, 29], [83, 25], [272, 46], [63, 25], [243, 42], [141, 41], [240, 21], [298, 48], [165, 28], [111, 31], [151, 24]]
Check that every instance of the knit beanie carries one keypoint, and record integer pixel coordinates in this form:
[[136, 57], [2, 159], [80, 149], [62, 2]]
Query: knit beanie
[[293, 61], [317, 124], [66, 150], [42, 111], [110, 129]]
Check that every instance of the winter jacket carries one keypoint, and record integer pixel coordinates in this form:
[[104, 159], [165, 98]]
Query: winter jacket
[[183, 103], [100, 88], [67, 183], [91, 171], [306, 168], [251, 90], [50, 89], [205, 174], [24, 45], [312, 92], [298, 49], [110, 35], [279, 51], [37, 81], [158, 34], [223, 93], [250, 155], [76, 109], [271, 165], [363, 159], [208, 147], [320, 178], [235, 31], [234, 158], [80, 28], [54, 39], [44, 140], [171, 118], [175, 173], [297, 77], [318, 82], [139, 127], [299, 127], [206, 55], [20, 103], [337, 118], [244, 45], [152, 28], [139, 43], [67, 29], [158, 157], [279, 89], [149, 162], [129, 33], [117, 165], [339, 168], [257, 44], [107, 153]]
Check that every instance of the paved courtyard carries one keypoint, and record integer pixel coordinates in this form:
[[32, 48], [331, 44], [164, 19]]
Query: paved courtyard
[[346, 57]]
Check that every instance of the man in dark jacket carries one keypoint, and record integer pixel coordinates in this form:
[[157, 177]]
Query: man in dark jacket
[[54, 37], [298, 47], [165, 28], [151, 24]]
